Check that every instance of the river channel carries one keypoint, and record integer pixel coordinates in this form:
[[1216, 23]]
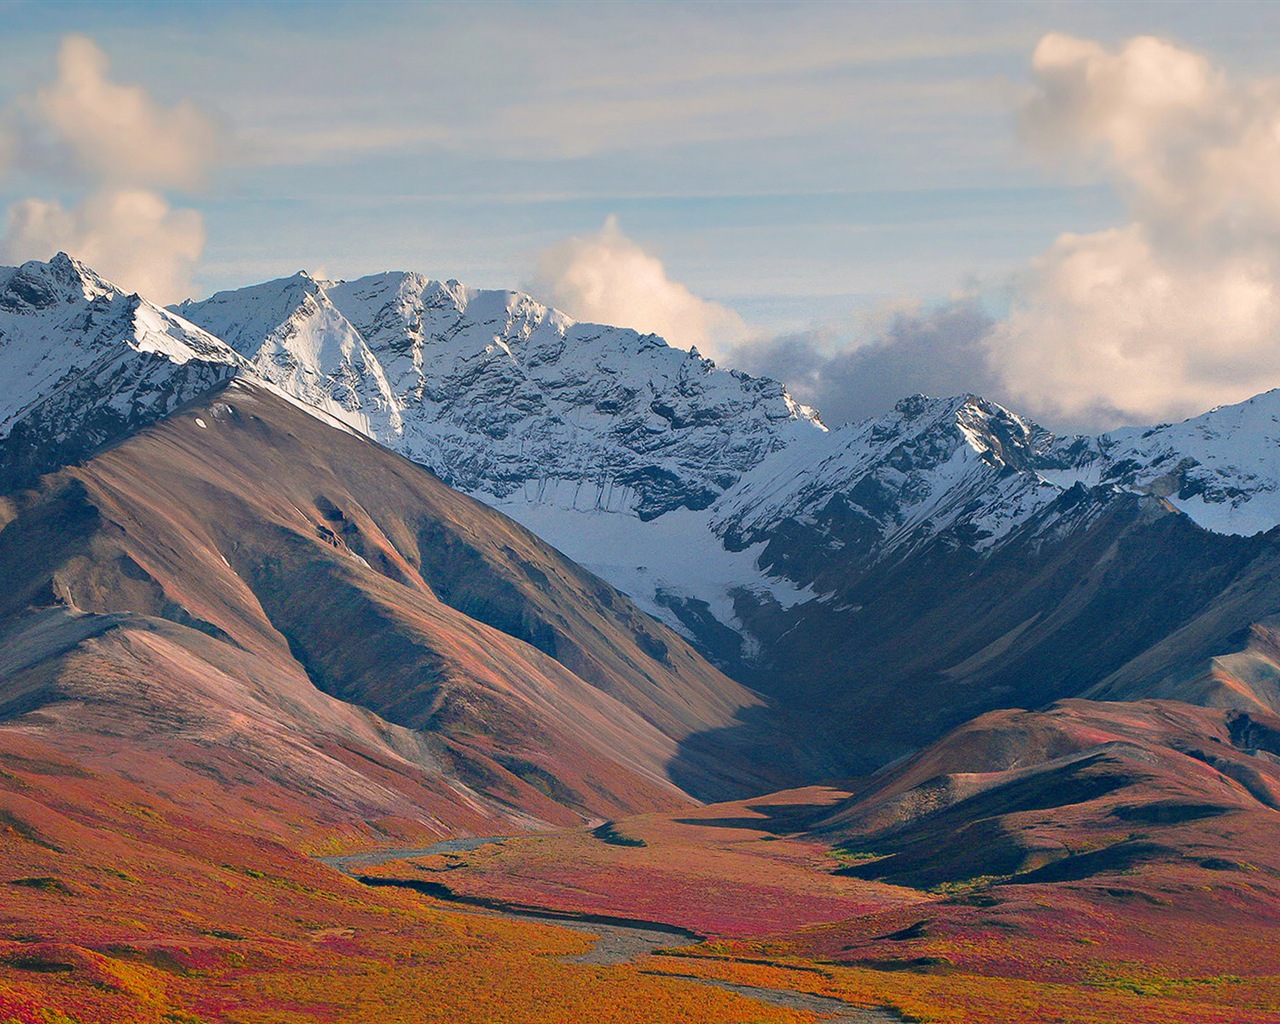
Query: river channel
[[618, 940]]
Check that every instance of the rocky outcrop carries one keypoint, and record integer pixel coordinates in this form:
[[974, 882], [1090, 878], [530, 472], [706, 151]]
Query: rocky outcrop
[[82, 364], [502, 396]]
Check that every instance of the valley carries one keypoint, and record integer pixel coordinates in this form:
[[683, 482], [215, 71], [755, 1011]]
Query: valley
[[365, 645]]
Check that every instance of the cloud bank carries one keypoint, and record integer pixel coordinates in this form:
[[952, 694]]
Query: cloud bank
[[130, 236], [1173, 311], [1178, 309], [862, 369], [126, 148], [849, 371], [607, 278]]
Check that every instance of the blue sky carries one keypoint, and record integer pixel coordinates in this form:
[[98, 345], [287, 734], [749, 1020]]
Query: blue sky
[[831, 150], [798, 163]]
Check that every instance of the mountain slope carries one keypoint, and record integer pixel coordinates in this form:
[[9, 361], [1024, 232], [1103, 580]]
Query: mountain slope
[[1080, 790], [1093, 588], [583, 415], [262, 528], [83, 363], [217, 728]]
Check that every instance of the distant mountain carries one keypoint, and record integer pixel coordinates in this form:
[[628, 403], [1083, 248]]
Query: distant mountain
[[976, 471], [1220, 469], [961, 467], [964, 560], [504, 397], [884, 581]]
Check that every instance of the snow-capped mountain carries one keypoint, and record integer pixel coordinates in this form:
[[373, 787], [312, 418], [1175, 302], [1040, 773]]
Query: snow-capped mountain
[[685, 485], [292, 335], [506, 398], [975, 472], [963, 465], [1221, 469], [81, 361]]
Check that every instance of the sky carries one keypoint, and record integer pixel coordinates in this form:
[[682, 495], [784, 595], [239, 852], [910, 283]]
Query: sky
[[1073, 208]]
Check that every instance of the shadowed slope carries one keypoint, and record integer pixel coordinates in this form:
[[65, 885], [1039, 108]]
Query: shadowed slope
[[1085, 789], [273, 536], [1094, 588]]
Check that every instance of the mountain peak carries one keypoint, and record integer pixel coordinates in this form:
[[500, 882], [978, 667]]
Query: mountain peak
[[77, 274], [42, 285], [501, 395], [82, 363]]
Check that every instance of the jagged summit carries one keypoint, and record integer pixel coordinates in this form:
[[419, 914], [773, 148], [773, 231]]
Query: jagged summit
[[962, 465], [1001, 437], [36, 285], [82, 361], [505, 397]]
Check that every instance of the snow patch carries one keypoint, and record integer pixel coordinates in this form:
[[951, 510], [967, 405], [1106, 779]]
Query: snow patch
[[676, 554]]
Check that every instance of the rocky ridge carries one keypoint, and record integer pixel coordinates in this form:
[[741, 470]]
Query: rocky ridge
[[82, 362], [506, 398], [709, 496]]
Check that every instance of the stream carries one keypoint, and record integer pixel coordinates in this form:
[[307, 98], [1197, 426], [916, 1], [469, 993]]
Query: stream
[[618, 940]]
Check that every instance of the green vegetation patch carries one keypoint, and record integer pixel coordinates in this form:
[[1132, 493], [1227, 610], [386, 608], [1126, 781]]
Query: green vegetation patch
[[1159, 985], [10, 822], [608, 833], [39, 964], [45, 884]]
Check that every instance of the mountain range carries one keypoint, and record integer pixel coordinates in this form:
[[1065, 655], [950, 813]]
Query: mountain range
[[793, 555], [397, 558]]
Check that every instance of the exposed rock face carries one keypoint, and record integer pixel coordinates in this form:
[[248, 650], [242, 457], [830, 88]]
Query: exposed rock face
[[962, 467], [82, 363], [501, 396], [1221, 469]]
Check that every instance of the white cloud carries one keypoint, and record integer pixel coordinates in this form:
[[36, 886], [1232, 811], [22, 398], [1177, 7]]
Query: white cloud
[[119, 134], [1179, 309], [128, 148], [607, 278], [132, 237]]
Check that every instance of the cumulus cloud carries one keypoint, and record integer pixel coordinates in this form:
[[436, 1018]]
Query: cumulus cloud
[[133, 237], [850, 370], [860, 370], [1178, 309], [607, 278], [127, 148], [118, 133]]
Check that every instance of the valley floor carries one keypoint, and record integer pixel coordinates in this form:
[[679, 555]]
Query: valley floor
[[775, 916], [120, 906]]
